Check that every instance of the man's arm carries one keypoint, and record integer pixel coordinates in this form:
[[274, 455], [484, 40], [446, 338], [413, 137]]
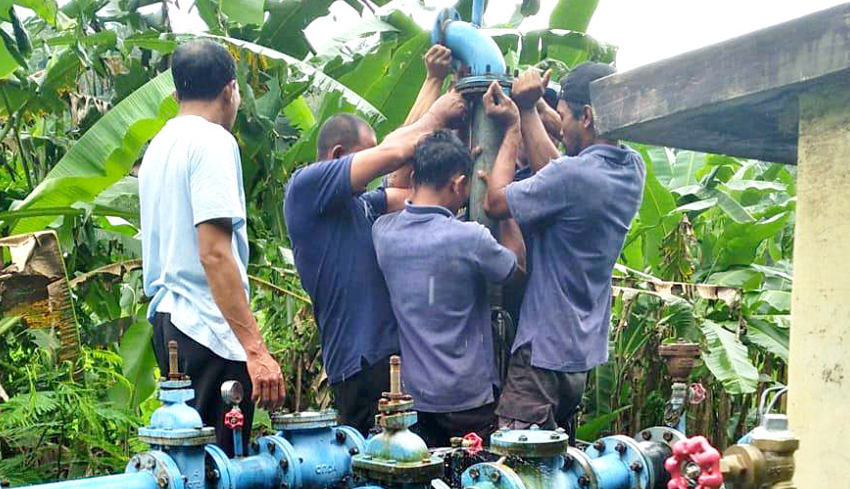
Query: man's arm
[[438, 62], [499, 107], [510, 237], [527, 90], [397, 148], [214, 242]]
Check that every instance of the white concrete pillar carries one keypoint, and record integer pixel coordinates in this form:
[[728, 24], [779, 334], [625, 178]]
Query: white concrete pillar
[[819, 370]]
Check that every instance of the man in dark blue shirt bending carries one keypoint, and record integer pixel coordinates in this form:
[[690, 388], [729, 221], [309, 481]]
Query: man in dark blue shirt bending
[[578, 209], [329, 218]]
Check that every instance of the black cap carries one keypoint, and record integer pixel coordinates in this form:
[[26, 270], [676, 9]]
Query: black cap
[[575, 87]]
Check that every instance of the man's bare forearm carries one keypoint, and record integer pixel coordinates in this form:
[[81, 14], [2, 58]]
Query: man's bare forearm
[[510, 237], [503, 174], [225, 283], [394, 151], [538, 146], [428, 94]]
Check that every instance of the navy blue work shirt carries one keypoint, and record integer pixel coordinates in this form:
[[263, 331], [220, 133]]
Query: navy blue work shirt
[[578, 211], [437, 268], [331, 233]]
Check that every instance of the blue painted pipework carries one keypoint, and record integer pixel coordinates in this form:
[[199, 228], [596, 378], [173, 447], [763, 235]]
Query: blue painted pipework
[[469, 44], [314, 455], [536, 459], [141, 480], [477, 12]]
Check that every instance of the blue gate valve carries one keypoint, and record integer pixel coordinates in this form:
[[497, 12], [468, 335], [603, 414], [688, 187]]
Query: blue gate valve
[[537, 458], [311, 455]]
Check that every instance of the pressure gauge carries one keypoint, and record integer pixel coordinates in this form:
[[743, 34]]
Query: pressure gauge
[[231, 392]]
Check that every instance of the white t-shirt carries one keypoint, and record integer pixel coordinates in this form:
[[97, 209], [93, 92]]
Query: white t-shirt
[[190, 173]]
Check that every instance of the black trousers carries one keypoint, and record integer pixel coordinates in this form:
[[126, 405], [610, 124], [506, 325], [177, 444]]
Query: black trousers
[[207, 371], [356, 398], [437, 429], [538, 396]]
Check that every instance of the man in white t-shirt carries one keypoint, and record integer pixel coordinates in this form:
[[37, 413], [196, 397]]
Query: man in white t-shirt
[[195, 244]]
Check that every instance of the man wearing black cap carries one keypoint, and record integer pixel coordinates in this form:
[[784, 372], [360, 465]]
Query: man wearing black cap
[[578, 209]]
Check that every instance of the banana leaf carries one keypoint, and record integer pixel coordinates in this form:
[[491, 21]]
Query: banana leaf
[[104, 154], [728, 360]]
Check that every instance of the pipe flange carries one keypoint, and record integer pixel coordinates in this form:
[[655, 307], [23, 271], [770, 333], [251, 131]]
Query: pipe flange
[[533, 443], [641, 471], [496, 475], [189, 437], [471, 85], [160, 465], [218, 468], [579, 469], [661, 434], [304, 420], [284, 454]]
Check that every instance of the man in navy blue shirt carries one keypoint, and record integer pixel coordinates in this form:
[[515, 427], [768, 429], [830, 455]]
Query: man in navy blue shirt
[[329, 217], [578, 209], [437, 268]]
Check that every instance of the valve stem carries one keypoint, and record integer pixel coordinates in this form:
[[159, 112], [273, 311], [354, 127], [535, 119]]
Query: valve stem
[[395, 375], [173, 368]]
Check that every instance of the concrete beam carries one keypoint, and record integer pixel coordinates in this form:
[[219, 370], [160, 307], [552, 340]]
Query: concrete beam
[[739, 97], [819, 365]]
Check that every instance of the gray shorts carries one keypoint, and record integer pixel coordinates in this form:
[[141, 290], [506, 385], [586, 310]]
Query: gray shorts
[[533, 395]]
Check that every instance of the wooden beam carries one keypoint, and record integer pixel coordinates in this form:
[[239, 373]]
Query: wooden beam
[[739, 97]]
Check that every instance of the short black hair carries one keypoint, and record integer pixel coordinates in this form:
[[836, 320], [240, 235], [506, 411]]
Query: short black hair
[[437, 157], [342, 129], [201, 69], [575, 87]]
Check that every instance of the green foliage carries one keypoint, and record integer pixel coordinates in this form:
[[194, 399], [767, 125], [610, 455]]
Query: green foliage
[[712, 220], [573, 15], [104, 154], [728, 360], [58, 422]]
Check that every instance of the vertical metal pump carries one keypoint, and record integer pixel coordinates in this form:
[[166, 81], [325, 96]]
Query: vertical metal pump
[[483, 64]]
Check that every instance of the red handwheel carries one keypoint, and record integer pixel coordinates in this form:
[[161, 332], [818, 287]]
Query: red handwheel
[[473, 443], [694, 460], [234, 419]]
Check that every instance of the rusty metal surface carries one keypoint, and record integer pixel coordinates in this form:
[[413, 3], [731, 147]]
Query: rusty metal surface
[[34, 286], [680, 358]]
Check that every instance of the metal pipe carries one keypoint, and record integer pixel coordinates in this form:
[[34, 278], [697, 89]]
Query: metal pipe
[[477, 12], [487, 135], [138, 480], [257, 472], [473, 47], [395, 374]]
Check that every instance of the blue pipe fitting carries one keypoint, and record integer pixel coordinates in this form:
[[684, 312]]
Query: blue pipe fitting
[[140, 480], [618, 463], [397, 457], [262, 471], [536, 458], [468, 44], [311, 449], [477, 13], [175, 423]]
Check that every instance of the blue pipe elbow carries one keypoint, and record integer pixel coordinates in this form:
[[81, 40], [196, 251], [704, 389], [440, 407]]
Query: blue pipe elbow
[[469, 45]]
